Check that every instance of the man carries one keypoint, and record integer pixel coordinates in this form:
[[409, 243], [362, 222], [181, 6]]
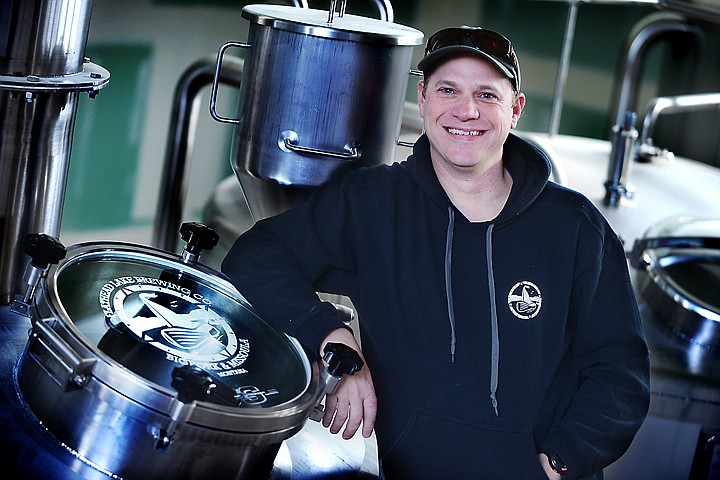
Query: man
[[497, 319]]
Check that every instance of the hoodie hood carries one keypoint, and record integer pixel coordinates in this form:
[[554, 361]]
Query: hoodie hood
[[530, 171], [529, 168]]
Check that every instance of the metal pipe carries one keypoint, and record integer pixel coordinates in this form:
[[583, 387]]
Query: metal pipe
[[623, 137], [181, 142], [386, 10], [42, 71], [563, 68], [676, 104], [647, 31]]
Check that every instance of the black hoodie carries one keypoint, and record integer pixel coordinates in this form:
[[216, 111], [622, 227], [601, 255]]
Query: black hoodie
[[487, 341]]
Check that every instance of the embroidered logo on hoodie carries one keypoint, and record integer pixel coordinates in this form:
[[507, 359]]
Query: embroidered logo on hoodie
[[525, 300]]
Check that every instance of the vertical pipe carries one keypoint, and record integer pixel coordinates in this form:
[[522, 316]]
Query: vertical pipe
[[42, 71], [563, 68]]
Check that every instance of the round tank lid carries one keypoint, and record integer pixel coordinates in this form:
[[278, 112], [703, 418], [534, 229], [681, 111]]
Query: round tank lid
[[313, 22], [150, 312]]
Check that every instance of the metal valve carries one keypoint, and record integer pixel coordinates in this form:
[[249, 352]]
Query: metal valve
[[43, 251], [198, 237]]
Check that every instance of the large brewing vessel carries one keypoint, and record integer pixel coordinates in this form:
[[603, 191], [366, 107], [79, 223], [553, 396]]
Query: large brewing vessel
[[326, 97], [43, 70]]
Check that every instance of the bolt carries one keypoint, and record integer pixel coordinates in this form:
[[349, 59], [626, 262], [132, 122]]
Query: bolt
[[79, 379]]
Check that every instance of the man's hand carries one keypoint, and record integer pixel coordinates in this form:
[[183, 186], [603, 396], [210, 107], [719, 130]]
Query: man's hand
[[354, 401], [545, 462]]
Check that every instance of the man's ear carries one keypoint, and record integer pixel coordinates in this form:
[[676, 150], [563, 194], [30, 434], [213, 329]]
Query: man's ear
[[517, 109]]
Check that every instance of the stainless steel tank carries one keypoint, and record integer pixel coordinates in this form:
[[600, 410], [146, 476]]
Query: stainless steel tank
[[326, 96], [149, 365], [42, 73]]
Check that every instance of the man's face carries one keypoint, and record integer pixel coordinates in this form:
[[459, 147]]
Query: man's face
[[468, 109]]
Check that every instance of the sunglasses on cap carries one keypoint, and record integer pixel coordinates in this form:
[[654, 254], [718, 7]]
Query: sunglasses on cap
[[489, 44]]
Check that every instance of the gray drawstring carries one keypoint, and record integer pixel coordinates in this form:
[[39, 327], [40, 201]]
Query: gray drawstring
[[494, 320], [448, 280], [494, 368]]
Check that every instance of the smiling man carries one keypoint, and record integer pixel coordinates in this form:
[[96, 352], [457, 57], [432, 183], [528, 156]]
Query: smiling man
[[495, 308]]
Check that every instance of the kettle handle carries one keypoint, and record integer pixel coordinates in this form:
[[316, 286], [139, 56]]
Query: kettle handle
[[216, 81], [288, 142]]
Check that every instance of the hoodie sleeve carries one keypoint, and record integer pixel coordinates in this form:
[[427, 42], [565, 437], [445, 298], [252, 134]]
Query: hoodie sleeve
[[611, 359], [277, 263]]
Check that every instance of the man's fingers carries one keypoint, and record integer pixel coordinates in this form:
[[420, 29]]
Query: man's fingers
[[354, 419], [330, 406], [369, 413]]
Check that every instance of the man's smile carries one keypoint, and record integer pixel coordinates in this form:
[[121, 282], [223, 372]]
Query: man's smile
[[457, 131]]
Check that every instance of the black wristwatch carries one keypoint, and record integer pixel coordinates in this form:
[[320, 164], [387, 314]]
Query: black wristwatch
[[556, 463]]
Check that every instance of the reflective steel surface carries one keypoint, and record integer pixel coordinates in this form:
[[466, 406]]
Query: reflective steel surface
[[42, 72], [32, 453]]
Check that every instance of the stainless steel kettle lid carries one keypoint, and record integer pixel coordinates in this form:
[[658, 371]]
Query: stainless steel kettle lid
[[151, 313], [347, 27]]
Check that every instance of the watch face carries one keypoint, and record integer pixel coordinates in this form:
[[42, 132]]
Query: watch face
[[151, 315]]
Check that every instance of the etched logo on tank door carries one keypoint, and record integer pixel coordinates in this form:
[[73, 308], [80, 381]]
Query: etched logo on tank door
[[176, 321]]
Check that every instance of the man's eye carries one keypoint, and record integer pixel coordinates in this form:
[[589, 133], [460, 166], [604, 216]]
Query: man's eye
[[446, 90]]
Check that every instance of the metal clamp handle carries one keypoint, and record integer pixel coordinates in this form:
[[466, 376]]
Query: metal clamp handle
[[288, 142], [78, 368], [216, 81]]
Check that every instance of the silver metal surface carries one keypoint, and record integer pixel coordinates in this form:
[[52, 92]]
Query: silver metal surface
[[347, 123], [563, 68], [48, 37], [706, 10], [42, 72], [181, 140], [677, 282], [90, 79], [647, 31], [34, 160], [677, 104], [622, 157], [348, 27], [80, 393], [661, 186]]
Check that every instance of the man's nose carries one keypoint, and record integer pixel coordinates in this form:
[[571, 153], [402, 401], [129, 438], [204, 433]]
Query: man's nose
[[467, 108]]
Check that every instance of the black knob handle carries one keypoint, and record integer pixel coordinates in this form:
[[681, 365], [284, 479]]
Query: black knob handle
[[43, 249], [192, 383], [198, 237], [341, 359]]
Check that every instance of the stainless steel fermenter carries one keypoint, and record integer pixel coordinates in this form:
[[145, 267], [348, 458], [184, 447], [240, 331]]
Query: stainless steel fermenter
[[319, 96]]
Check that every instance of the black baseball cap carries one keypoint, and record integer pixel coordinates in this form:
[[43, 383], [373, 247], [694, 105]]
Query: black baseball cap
[[490, 45]]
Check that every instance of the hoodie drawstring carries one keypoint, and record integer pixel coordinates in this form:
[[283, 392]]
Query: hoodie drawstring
[[494, 321], [495, 360], [448, 281]]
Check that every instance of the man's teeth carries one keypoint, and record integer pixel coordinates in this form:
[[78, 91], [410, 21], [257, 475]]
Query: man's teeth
[[455, 131]]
